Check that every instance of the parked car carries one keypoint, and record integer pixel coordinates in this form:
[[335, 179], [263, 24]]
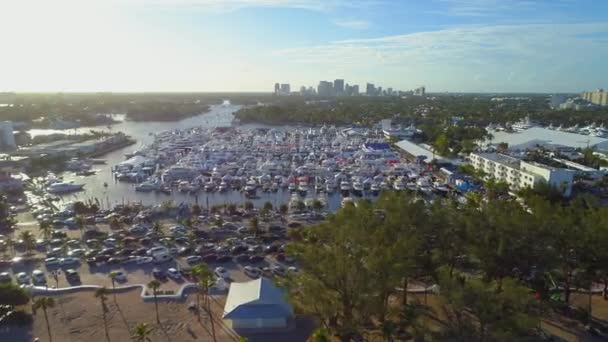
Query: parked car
[[72, 276], [120, 276], [252, 272], [5, 277], [156, 249], [256, 258], [51, 261], [38, 277], [210, 257], [173, 273], [221, 272], [223, 258], [144, 260], [68, 261], [241, 258], [194, 259], [278, 270], [22, 278], [158, 273]]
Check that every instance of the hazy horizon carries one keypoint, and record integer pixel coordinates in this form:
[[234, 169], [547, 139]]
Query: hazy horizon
[[220, 46]]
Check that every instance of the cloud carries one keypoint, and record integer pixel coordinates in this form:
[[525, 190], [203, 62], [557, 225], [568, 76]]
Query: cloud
[[482, 8], [504, 53], [352, 24], [234, 5]]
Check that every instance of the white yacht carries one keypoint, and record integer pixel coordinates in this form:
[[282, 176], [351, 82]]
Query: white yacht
[[357, 188], [345, 186], [375, 188], [223, 187], [63, 187], [147, 187]]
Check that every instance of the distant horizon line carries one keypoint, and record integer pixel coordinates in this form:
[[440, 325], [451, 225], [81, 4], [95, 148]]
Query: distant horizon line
[[271, 92]]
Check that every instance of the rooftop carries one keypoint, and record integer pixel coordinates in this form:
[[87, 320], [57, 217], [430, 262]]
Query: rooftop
[[539, 136]]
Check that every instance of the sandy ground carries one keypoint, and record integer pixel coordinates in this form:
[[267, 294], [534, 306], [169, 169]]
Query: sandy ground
[[78, 317]]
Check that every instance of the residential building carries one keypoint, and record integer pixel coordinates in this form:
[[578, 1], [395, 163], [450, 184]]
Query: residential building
[[420, 91], [257, 304], [598, 97], [7, 138], [521, 174]]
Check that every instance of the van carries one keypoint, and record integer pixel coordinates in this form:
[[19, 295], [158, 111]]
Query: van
[[161, 257]]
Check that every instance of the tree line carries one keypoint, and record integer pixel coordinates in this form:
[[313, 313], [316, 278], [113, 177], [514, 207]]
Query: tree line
[[498, 265]]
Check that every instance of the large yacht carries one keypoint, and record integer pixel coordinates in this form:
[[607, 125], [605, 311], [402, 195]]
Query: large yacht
[[63, 187]]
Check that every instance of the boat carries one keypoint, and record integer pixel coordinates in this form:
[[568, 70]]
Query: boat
[[63, 187], [292, 187], [303, 188], [146, 187], [274, 187], [375, 188], [345, 186], [357, 188], [223, 187]]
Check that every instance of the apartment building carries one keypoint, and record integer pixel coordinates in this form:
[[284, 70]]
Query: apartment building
[[520, 174]]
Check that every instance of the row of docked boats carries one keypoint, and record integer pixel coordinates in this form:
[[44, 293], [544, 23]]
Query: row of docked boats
[[302, 160]]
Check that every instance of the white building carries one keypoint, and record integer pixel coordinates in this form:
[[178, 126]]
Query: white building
[[538, 136], [7, 138], [520, 174]]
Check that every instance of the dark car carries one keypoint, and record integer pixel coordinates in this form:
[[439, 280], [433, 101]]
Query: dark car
[[127, 251], [91, 254], [210, 257], [184, 251], [101, 258], [140, 251], [92, 262], [241, 258], [271, 249], [145, 241], [224, 258], [107, 251], [159, 274], [256, 258], [114, 261], [72, 276], [238, 249]]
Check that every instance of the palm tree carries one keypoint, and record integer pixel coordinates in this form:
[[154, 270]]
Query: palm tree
[[283, 209], [204, 277], [112, 276], [255, 225], [115, 223], [154, 285], [45, 230], [29, 242], [157, 228], [317, 205], [102, 295], [44, 303], [80, 224], [141, 333], [195, 210], [10, 245], [249, 206]]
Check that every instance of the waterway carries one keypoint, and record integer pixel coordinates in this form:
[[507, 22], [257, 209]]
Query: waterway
[[120, 192]]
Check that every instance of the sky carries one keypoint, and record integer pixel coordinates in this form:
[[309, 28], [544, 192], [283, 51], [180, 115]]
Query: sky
[[248, 45]]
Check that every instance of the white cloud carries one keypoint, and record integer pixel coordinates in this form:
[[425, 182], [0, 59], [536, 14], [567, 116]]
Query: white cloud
[[233, 5], [352, 24], [518, 55]]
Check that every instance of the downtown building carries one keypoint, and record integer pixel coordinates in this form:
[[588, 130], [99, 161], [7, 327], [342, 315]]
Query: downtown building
[[598, 97]]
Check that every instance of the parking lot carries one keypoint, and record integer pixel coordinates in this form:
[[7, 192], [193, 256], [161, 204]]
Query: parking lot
[[145, 247]]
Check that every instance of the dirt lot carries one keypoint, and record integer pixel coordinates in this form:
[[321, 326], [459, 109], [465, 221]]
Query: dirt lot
[[78, 317]]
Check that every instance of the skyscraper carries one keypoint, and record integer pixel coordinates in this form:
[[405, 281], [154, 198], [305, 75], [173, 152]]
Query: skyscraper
[[325, 89], [277, 88], [339, 87], [285, 89], [370, 90], [355, 90]]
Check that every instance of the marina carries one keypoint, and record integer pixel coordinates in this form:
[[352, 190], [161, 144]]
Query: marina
[[207, 161]]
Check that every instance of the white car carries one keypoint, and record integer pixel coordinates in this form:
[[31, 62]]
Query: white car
[[38, 277], [5, 277], [292, 269], [144, 260], [110, 242], [173, 273], [221, 272], [120, 276], [78, 252], [68, 261], [22, 278], [252, 272], [157, 249]]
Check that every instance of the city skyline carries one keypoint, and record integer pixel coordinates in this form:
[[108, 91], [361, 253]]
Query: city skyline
[[245, 45]]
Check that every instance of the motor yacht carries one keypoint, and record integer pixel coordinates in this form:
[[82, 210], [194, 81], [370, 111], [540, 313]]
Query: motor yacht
[[64, 187]]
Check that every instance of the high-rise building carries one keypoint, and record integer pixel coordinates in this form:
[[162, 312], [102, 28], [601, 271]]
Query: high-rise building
[[355, 90], [285, 89], [420, 91], [7, 138], [325, 89], [277, 88], [339, 87], [370, 90], [598, 97]]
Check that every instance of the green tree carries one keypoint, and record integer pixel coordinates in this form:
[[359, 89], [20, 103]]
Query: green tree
[[320, 335], [248, 206], [283, 209], [154, 285], [317, 205], [29, 241], [45, 303], [45, 230], [115, 223], [7, 221], [268, 206], [113, 276], [141, 333], [80, 223], [204, 278], [157, 228], [13, 295], [196, 210], [255, 225], [441, 145]]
